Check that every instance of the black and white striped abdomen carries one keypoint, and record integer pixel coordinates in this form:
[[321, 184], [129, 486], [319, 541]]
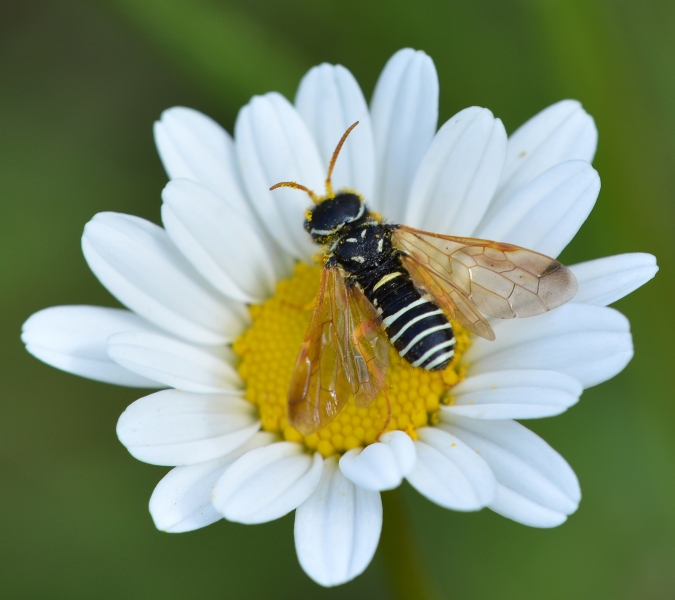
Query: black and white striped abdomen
[[417, 328]]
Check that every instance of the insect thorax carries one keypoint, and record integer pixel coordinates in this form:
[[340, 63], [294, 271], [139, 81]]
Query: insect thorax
[[364, 249]]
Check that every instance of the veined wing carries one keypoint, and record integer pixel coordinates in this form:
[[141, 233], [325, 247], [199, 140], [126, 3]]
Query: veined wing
[[455, 304], [344, 352], [367, 351], [471, 275]]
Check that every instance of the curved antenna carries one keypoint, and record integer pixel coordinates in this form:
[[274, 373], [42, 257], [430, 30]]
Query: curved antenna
[[296, 186], [329, 186]]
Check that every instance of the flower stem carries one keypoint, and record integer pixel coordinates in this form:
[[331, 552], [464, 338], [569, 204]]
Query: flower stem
[[407, 576]]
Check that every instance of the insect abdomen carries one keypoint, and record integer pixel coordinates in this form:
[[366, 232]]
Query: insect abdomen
[[417, 328]]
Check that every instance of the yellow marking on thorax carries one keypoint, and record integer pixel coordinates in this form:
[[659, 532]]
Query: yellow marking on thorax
[[386, 278]]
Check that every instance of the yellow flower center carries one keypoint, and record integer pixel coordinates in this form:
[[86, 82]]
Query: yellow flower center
[[267, 353]]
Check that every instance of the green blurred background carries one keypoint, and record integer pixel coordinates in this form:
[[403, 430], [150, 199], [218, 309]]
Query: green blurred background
[[82, 83]]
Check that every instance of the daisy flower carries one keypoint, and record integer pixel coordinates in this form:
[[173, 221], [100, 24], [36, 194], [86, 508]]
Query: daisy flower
[[218, 301]]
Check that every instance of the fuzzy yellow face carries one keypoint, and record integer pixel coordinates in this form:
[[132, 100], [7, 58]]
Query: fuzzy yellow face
[[267, 353]]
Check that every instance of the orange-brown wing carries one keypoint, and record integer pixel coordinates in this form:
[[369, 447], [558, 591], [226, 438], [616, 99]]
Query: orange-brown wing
[[367, 353], [319, 384], [468, 275], [340, 354], [457, 306]]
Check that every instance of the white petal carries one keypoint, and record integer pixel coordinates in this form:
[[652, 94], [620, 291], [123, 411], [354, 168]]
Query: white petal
[[450, 473], [193, 146], [459, 174], [522, 394], [181, 428], [182, 499], [73, 339], [547, 213], [561, 132], [589, 343], [140, 266], [532, 472], [176, 364], [267, 483], [382, 465], [274, 145], [220, 243], [521, 509], [404, 113], [337, 528], [329, 100], [606, 280]]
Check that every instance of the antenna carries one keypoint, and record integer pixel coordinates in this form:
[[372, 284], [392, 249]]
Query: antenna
[[296, 186], [329, 186]]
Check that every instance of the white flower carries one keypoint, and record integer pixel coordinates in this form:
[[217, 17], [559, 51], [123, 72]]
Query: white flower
[[227, 241]]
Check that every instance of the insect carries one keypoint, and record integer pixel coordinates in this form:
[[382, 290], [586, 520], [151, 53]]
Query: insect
[[386, 283]]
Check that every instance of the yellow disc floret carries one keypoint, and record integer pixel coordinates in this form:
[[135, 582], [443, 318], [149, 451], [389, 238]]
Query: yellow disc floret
[[268, 350]]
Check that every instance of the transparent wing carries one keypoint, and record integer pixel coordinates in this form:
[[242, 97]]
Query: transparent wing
[[344, 351], [453, 302], [367, 350], [319, 384], [472, 276]]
